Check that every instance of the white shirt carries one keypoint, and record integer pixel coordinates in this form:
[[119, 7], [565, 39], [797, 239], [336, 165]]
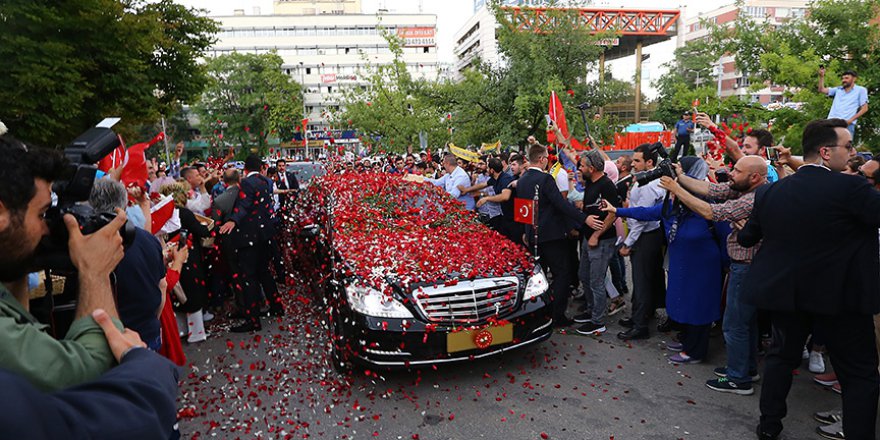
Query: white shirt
[[200, 204], [643, 197], [562, 180]]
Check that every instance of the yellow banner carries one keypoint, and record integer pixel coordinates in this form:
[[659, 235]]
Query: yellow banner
[[461, 153], [491, 148]]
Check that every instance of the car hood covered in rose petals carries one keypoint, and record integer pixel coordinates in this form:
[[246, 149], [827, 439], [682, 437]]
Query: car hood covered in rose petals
[[387, 229]]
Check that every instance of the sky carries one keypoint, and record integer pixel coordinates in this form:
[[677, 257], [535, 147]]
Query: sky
[[452, 14]]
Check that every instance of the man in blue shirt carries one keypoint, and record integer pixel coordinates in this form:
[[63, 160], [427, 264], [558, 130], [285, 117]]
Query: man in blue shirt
[[683, 129], [850, 101], [450, 181]]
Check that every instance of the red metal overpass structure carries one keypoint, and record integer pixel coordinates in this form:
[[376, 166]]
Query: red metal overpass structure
[[629, 30]]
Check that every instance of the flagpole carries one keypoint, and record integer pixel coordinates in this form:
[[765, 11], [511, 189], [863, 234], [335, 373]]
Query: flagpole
[[167, 152], [535, 222]]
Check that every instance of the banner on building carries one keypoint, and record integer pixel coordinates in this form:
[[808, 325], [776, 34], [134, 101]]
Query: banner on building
[[417, 36], [328, 78]]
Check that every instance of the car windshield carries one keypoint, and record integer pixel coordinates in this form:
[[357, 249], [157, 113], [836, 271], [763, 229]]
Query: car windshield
[[306, 171]]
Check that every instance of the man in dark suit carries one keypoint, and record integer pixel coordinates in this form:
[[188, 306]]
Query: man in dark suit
[[251, 236], [556, 217], [818, 269], [287, 184]]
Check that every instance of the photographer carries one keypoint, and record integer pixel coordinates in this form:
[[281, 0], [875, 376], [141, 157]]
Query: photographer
[[740, 325], [27, 349], [644, 245]]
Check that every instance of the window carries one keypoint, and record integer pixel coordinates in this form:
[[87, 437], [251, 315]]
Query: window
[[427, 50], [308, 70]]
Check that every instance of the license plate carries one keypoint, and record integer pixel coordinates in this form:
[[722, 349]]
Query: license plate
[[465, 340]]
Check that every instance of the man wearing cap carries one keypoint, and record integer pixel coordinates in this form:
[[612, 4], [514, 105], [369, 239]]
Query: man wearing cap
[[850, 101]]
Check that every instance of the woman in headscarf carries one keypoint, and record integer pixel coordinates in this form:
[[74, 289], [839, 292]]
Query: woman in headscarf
[[695, 256]]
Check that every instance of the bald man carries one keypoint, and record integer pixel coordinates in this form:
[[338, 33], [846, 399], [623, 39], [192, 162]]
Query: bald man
[[740, 325]]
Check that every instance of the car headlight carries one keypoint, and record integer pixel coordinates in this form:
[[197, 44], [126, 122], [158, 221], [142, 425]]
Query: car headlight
[[372, 302], [537, 284]]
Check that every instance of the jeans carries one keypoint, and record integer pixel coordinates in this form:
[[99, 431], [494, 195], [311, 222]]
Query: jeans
[[740, 328], [592, 270]]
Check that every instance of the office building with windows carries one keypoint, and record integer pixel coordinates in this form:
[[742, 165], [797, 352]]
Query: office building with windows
[[734, 82], [327, 46]]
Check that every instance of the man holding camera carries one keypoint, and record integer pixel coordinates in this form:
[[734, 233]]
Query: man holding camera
[[27, 349], [740, 324], [31, 359], [644, 245]]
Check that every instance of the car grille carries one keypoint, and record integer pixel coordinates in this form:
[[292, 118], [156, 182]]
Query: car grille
[[471, 302]]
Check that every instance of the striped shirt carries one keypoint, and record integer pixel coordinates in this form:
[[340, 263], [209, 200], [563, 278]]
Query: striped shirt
[[737, 206]]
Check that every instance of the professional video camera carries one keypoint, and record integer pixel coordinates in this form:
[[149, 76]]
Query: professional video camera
[[664, 168], [82, 154]]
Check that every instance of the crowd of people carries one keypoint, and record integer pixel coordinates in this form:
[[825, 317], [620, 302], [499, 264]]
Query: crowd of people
[[202, 241], [781, 251], [695, 253]]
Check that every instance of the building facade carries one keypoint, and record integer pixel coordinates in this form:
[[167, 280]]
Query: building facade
[[733, 81], [327, 46], [477, 38]]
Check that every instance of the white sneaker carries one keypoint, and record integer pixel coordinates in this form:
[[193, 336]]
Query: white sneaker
[[207, 316], [806, 354], [817, 363]]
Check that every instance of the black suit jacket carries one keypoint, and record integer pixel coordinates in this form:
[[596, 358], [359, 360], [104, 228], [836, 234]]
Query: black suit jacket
[[556, 216], [292, 183], [820, 248], [135, 400], [252, 212]]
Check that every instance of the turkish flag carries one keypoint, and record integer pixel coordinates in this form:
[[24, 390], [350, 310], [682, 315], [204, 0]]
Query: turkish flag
[[557, 115], [524, 211], [113, 159], [160, 213], [134, 168]]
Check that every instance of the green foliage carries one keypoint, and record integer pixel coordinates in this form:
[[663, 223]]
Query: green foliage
[[69, 64], [839, 34], [247, 99], [395, 107]]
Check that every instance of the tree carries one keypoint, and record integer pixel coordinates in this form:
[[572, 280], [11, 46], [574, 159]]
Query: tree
[[689, 76], [247, 98], [840, 34], [394, 108], [535, 63], [69, 64]]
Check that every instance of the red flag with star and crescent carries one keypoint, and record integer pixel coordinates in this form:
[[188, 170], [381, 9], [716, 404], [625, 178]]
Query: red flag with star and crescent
[[524, 211]]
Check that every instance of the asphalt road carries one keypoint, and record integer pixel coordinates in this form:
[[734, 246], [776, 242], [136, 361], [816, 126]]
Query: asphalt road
[[278, 384]]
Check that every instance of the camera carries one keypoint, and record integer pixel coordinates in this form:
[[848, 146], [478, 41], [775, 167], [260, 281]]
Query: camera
[[664, 168], [82, 155]]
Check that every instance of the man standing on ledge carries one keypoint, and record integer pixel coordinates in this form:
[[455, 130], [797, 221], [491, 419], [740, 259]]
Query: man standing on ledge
[[850, 101]]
